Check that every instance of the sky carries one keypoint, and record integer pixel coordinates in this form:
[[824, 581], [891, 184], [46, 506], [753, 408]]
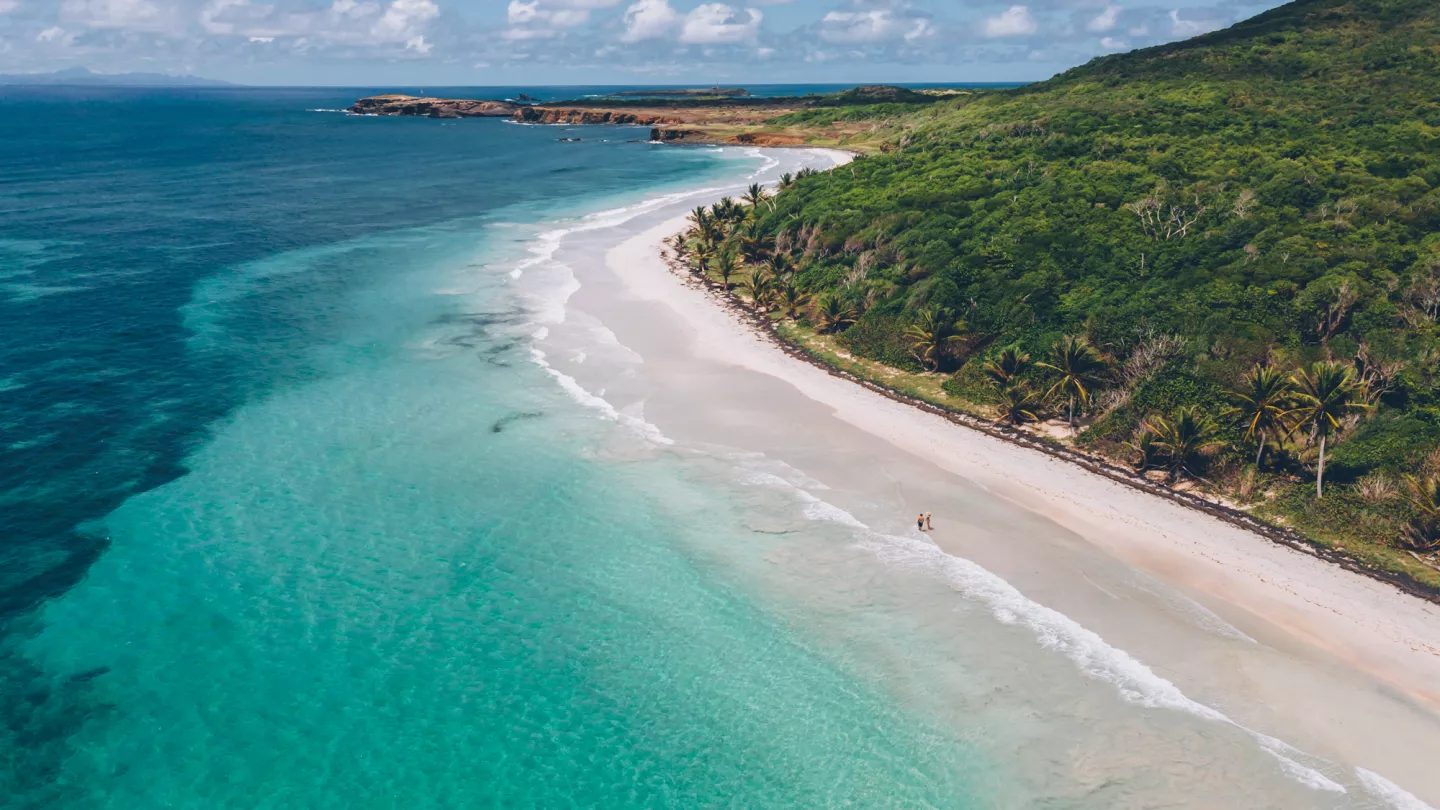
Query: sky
[[538, 42]]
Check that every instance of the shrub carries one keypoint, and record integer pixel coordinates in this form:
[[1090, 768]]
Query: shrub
[[880, 336], [1393, 442]]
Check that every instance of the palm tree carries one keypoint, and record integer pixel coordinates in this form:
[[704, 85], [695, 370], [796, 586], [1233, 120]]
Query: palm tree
[[1424, 528], [760, 287], [1018, 404], [1264, 405], [727, 264], [1325, 396], [790, 298], [933, 334], [833, 313], [711, 231], [754, 195], [727, 209], [752, 243], [699, 217], [1184, 437], [786, 181], [779, 265], [1147, 449], [1006, 366], [703, 256], [1079, 366]]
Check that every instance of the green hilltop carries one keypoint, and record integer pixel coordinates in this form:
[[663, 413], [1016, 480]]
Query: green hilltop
[[1266, 196]]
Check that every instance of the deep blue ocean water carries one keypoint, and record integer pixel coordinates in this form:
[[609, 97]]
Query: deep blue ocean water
[[291, 523]]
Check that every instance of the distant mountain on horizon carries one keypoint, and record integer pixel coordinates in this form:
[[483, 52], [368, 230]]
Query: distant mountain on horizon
[[85, 77]]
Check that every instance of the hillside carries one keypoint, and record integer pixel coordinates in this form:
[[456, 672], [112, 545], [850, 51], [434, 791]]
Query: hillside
[[1263, 196]]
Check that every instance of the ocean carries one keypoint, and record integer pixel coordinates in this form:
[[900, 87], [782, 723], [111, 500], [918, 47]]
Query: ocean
[[300, 512]]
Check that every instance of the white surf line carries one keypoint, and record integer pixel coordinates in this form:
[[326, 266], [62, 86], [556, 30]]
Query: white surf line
[[549, 242], [553, 308], [1090, 653], [1389, 792], [646, 430]]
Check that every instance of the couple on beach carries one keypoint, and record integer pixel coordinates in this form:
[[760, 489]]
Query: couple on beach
[[923, 522]]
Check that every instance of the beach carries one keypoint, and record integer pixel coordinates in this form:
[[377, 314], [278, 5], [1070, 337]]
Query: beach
[[1226, 625]]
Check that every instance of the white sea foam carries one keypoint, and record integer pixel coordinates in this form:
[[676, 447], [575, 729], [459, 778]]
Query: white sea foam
[[577, 392], [1388, 792], [1309, 777], [816, 509], [768, 164], [764, 479], [1095, 658]]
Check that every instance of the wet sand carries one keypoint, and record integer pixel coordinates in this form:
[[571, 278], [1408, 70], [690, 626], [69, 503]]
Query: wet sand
[[1342, 666]]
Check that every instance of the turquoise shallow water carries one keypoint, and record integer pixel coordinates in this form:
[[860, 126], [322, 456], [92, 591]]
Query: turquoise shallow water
[[363, 595], [384, 560]]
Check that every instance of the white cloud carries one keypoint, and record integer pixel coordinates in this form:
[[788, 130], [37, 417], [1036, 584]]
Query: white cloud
[[262, 40], [1012, 22], [1105, 20], [1190, 28], [400, 23], [51, 34], [403, 20], [874, 25], [1112, 44], [138, 15], [553, 13], [717, 24], [7, 6], [649, 19]]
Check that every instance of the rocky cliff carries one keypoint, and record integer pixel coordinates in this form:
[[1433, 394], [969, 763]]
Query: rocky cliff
[[433, 107], [561, 115]]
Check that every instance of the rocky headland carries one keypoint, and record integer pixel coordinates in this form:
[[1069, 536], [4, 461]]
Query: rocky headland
[[729, 118], [591, 116], [396, 104]]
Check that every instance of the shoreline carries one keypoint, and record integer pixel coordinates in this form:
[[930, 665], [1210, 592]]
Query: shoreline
[[1288, 538], [1345, 630], [1082, 465]]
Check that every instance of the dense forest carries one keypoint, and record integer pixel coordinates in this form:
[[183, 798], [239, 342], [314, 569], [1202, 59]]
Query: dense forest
[[1217, 259]]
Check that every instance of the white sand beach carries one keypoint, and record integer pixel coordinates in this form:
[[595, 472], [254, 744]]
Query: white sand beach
[[1342, 666]]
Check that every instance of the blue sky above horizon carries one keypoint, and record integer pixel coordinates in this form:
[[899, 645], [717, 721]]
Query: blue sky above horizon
[[532, 42]]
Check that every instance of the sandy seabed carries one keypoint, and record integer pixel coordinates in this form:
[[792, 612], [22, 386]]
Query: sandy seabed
[[1344, 666]]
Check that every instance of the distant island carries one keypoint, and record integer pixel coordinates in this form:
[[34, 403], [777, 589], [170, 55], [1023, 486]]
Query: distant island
[[712, 92], [83, 77]]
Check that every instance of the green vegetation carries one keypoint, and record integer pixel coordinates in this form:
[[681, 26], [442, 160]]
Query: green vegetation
[[1223, 254]]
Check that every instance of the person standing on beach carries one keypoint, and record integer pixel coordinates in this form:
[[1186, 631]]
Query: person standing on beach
[[928, 527], [920, 522]]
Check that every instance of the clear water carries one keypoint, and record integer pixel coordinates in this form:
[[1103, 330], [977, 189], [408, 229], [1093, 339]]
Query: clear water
[[363, 552], [294, 519]]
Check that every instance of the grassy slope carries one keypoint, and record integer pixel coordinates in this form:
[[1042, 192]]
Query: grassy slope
[[1010, 208]]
